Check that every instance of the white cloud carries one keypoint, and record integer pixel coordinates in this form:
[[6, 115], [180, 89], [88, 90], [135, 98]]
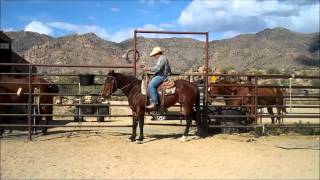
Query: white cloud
[[80, 29], [116, 36], [249, 15], [230, 34], [124, 34], [308, 21], [165, 1], [148, 2], [114, 9], [142, 11], [121, 35], [152, 2], [91, 17], [9, 29], [166, 25], [63, 28], [38, 27]]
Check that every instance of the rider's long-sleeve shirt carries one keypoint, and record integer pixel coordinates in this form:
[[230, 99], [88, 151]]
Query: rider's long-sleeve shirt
[[162, 67]]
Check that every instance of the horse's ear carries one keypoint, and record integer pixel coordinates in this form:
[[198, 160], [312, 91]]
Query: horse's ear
[[234, 90], [111, 72]]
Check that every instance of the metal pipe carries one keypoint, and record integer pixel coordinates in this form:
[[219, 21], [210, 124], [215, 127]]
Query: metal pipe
[[134, 52], [170, 32], [60, 65], [29, 102], [255, 99], [167, 124]]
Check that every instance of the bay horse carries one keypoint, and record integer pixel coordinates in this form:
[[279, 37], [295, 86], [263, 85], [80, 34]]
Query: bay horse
[[187, 94], [266, 96], [11, 84]]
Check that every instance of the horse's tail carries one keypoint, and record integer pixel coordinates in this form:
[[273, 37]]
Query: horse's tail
[[196, 113], [197, 116], [53, 88], [283, 102]]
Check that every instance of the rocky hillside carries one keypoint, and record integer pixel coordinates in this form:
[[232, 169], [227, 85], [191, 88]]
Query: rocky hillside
[[279, 48], [271, 48], [24, 40]]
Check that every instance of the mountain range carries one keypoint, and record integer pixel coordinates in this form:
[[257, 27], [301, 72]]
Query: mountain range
[[277, 48]]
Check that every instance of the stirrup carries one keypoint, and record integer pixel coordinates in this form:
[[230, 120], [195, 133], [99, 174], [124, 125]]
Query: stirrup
[[151, 106]]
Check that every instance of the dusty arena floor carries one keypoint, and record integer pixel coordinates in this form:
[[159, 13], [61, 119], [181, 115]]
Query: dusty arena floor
[[88, 153]]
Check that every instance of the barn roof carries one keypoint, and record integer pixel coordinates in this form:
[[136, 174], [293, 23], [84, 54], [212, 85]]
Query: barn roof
[[4, 37]]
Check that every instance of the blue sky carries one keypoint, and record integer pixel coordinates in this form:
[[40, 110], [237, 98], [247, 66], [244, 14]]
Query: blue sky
[[115, 20]]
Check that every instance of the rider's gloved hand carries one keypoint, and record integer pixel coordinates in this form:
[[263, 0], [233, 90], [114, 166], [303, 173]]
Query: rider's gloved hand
[[144, 67]]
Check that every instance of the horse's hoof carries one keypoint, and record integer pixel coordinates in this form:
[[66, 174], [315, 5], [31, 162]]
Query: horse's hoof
[[197, 137], [44, 132], [131, 139], [183, 139], [139, 141]]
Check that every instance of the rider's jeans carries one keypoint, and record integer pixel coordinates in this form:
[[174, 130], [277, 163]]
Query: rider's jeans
[[152, 88]]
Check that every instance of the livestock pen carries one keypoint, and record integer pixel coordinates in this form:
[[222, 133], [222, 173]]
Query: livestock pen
[[302, 97]]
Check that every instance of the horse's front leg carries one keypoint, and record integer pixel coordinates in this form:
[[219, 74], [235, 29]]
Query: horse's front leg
[[141, 124], [279, 117], [270, 111], [47, 110], [1, 128], [132, 138], [47, 120]]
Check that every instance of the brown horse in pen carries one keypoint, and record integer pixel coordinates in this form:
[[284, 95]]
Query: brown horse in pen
[[186, 94], [245, 96], [13, 85]]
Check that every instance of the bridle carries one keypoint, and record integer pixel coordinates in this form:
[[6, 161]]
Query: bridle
[[114, 85]]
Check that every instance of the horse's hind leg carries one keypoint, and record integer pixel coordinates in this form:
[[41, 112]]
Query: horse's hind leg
[[186, 131], [270, 111], [200, 129], [47, 110], [279, 115], [1, 128], [47, 120]]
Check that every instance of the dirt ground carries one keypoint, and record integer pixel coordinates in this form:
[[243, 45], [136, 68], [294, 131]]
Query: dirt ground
[[90, 153]]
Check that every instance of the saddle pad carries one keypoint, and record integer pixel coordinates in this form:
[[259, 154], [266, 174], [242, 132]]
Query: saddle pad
[[166, 84]]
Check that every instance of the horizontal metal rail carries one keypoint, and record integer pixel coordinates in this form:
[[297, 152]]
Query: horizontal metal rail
[[270, 76], [171, 32], [101, 115], [167, 124], [60, 65], [126, 105]]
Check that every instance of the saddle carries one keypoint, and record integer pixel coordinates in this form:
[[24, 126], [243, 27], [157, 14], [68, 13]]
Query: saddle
[[166, 88]]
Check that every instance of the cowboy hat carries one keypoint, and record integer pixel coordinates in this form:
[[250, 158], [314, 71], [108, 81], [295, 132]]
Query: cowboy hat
[[155, 51]]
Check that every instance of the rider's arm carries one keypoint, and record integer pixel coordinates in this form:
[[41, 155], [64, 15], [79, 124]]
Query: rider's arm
[[159, 66]]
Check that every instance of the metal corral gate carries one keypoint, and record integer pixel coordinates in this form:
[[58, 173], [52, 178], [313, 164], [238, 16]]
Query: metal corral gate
[[298, 100]]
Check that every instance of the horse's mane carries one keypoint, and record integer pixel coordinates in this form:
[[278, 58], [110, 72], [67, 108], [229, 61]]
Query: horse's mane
[[131, 78]]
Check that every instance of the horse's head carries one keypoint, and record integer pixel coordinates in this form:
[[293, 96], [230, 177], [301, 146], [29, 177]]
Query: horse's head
[[110, 84], [213, 87], [213, 91], [221, 87], [53, 88]]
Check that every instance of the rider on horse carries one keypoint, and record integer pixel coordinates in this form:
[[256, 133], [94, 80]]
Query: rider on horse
[[161, 71]]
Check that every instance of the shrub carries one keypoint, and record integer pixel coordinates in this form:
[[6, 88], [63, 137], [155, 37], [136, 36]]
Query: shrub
[[315, 82], [273, 71]]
